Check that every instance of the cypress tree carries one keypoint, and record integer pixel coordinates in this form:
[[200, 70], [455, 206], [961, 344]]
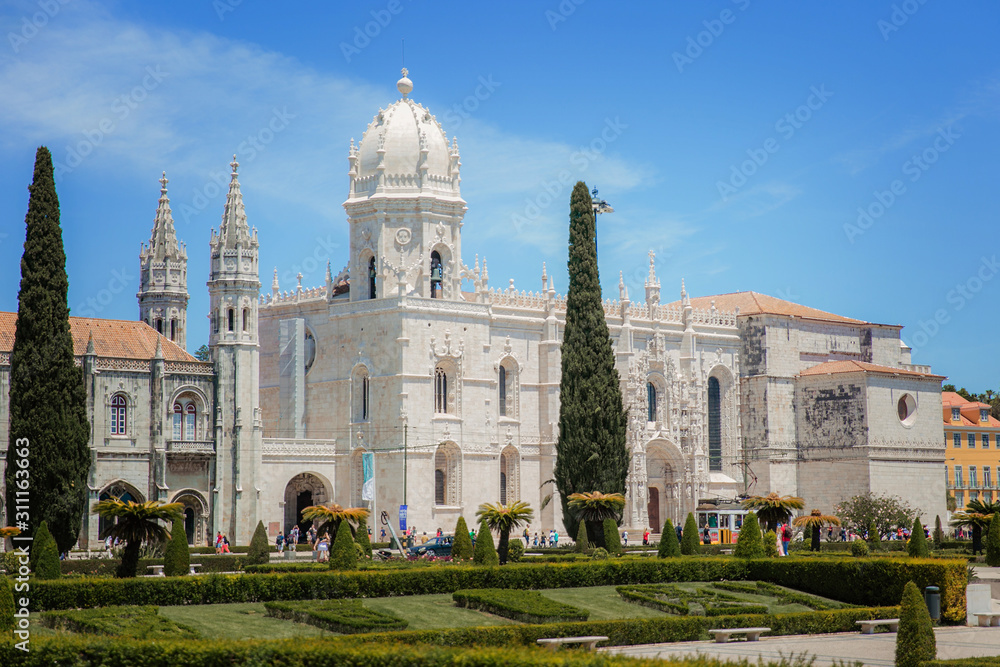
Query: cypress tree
[[48, 561], [361, 537], [47, 398], [6, 607], [749, 544], [874, 537], [690, 540], [915, 642], [582, 542], [771, 544], [485, 553], [343, 554], [591, 454], [938, 533], [177, 556], [259, 551], [42, 535], [669, 547], [917, 546], [612, 543], [461, 544], [993, 542]]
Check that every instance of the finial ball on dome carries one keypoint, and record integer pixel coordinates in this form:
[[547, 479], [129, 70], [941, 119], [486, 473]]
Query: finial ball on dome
[[404, 85]]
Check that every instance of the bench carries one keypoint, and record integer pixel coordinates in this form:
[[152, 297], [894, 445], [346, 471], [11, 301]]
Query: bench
[[193, 568], [868, 627], [722, 636], [589, 642], [157, 570], [988, 619]]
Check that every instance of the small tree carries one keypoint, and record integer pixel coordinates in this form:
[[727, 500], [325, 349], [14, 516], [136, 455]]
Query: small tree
[[594, 508], [612, 543], [361, 537], [6, 607], [505, 519], [771, 544], [917, 546], [669, 546], [582, 543], [874, 537], [485, 553], [690, 540], [813, 523], [343, 554], [461, 544], [42, 535], [749, 544], [938, 533], [993, 542], [915, 641], [259, 552], [177, 557], [773, 509], [48, 561], [136, 524]]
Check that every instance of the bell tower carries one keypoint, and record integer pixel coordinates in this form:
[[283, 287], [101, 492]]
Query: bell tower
[[163, 295]]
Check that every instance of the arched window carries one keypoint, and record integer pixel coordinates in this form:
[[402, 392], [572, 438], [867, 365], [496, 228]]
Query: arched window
[[508, 476], [651, 402], [503, 488], [447, 475], [440, 391], [246, 319], [365, 397], [190, 422], [503, 391], [714, 425], [185, 412], [119, 413], [178, 422], [173, 329], [437, 274], [159, 325], [215, 322], [232, 319], [438, 486], [372, 275]]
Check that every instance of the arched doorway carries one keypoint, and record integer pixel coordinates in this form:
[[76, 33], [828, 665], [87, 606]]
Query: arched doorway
[[122, 491], [195, 516], [653, 510], [304, 490], [664, 466], [189, 524]]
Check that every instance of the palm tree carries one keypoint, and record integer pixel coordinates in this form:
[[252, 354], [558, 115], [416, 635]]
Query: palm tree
[[136, 524], [814, 522], [330, 516], [976, 516], [594, 507], [9, 531], [503, 519], [773, 509]]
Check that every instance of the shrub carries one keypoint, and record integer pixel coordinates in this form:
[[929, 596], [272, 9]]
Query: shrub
[[917, 546], [669, 547], [938, 533], [343, 555], [600, 553], [690, 540], [177, 559], [143, 622], [667, 598], [874, 538], [485, 553], [47, 566], [993, 542], [915, 641], [342, 616], [522, 606], [6, 607], [42, 535], [461, 545], [770, 544], [515, 551], [612, 542], [859, 549], [259, 552], [361, 537], [582, 543], [749, 544]]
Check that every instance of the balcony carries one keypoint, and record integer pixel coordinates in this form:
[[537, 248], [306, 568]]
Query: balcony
[[191, 446]]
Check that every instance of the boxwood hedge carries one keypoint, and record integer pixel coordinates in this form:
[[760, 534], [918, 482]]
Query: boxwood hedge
[[343, 616], [523, 606]]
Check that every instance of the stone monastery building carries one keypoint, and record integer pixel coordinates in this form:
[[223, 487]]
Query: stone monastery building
[[456, 393]]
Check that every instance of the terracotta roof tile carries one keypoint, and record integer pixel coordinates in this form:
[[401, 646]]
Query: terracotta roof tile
[[851, 366], [754, 303], [117, 339]]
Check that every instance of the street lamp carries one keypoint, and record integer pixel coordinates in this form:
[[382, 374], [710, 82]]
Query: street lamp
[[600, 206]]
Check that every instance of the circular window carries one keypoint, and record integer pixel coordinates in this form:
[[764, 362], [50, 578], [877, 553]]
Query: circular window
[[906, 409]]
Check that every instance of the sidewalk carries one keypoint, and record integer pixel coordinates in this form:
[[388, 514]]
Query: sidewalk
[[875, 650]]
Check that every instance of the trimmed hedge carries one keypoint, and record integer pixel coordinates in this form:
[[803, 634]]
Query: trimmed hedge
[[870, 582], [123, 622], [765, 588], [518, 605], [648, 595], [343, 616], [107, 566]]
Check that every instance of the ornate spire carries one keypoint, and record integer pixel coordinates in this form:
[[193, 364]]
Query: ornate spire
[[90, 342], [404, 85], [652, 282], [275, 288], [163, 239], [234, 229]]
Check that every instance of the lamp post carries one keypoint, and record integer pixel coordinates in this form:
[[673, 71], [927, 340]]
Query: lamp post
[[600, 206]]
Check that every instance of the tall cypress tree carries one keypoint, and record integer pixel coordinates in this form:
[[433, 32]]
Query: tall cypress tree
[[591, 454], [47, 397]]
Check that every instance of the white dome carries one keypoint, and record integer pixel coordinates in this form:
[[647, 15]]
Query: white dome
[[404, 149]]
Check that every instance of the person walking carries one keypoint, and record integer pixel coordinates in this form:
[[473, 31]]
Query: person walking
[[323, 549], [624, 538], [279, 541], [706, 535], [645, 537], [786, 537], [527, 538], [555, 538]]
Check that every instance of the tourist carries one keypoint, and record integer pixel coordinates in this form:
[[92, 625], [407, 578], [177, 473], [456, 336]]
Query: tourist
[[323, 549], [645, 537], [382, 537], [527, 536], [555, 538], [440, 532], [218, 543], [535, 540], [843, 534], [625, 538], [541, 542], [423, 538], [225, 544], [311, 536], [777, 543], [280, 541], [706, 535], [786, 537], [294, 538], [680, 533]]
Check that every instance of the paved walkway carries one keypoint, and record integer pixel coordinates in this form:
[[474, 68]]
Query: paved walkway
[[874, 650]]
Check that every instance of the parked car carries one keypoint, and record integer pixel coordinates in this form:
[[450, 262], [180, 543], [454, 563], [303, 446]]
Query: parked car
[[437, 546]]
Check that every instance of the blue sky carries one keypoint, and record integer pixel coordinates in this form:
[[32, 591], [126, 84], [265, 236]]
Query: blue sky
[[736, 139]]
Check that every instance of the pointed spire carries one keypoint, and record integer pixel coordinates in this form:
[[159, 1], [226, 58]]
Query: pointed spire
[[234, 229], [159, 347], [163, 239], [275, 288], [90, 342], [329, 274]]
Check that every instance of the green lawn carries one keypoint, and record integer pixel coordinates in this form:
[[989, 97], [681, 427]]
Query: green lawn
[[237, 621], [428, 612], [603, 603]]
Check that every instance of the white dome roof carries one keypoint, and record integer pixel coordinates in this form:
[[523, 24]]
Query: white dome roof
[[404, 149]]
